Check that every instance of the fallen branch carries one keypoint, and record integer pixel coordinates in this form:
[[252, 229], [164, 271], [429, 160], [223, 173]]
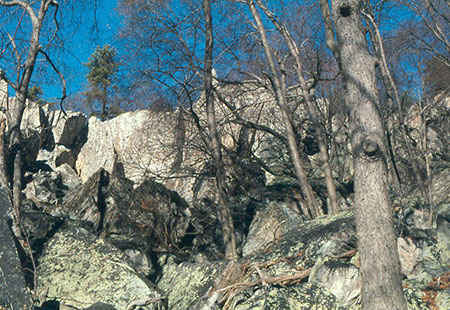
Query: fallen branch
[[284, 280], [145, 302]]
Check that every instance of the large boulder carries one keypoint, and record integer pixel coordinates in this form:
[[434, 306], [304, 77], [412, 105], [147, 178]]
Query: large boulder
[[49, 187], [187, 285], [79, 269], [66, 127], [13, 289], [45, 188], [270, 224], [136, 144]]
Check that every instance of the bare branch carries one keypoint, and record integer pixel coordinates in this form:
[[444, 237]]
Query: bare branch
[[63, 81]]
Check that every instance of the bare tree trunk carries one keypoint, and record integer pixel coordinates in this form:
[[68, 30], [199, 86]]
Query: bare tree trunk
[[380, 265], [225, 215], [15, 111], [300, 173], [312, 111], [104, 102]]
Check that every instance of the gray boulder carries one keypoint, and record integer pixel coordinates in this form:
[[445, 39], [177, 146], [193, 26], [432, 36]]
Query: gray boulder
[[70, 178], [187, 285], [34, 130], [270, 224], [149, 217], [66, 127], [13, 289], [79, 269], [341, 279], [45, 188]]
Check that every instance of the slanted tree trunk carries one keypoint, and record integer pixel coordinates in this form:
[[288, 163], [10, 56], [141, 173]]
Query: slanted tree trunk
[[300, 173], [225, 216], [311, 108], [380, 265]]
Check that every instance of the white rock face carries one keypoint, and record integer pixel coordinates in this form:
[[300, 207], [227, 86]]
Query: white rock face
[[139, 143], [97, 152], [68, 175], [33, 130], [143, 143], [66, 127]]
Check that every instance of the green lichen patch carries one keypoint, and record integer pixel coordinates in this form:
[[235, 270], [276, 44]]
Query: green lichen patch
[[80, 270]]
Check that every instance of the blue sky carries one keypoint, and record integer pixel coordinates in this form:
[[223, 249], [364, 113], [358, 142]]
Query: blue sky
[[81, 45]]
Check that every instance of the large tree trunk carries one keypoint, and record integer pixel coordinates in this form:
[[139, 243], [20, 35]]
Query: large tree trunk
[[380, 266], [225, 216]]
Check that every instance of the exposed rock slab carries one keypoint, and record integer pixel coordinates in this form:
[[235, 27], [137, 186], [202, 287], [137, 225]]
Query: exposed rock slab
[[13, 289], [34, 131], [187, 284], [342, 279], [98, 152], [66, 127], [140, 141], [270, 224], [80, 269]]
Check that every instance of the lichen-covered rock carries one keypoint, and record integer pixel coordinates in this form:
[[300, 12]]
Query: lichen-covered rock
[[342, 279], [277, 278], [300, 297], [100, 306], [80, 269], [408, 254], [187, 285], [443, 300], [443, 240]]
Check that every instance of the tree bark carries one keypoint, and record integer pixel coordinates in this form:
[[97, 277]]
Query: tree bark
[[380, 265], [225, 215]]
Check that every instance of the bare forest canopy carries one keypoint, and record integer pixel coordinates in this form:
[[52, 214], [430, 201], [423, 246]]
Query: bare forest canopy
[[160, 47]]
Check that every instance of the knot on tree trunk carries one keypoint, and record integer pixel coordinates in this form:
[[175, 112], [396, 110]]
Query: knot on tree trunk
[[370, 147], [345, 10]]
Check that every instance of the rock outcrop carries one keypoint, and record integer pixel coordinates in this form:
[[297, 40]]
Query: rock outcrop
[[123, 214], [313, 266]]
